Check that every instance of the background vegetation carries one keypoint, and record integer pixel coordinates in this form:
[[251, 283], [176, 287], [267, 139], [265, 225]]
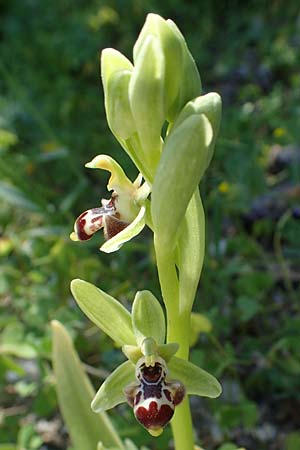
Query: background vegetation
[[52, 121]]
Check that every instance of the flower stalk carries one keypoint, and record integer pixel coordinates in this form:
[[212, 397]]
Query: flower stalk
[[162, 87]]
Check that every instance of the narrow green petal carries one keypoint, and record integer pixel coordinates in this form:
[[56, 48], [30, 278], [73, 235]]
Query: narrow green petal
[[118, 180], [111, 392], [75, 393], [148, 318], [132, 230], [132, 352], [196, 381], [181, 167], [167, 351], [105, 311]]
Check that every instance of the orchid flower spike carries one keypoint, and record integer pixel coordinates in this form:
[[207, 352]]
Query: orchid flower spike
[[121, 217], [153, 381]]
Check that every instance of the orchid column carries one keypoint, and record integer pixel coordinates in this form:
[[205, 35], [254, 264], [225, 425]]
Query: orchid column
[[160, 90]]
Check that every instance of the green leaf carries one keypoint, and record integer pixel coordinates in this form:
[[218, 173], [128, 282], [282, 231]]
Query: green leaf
[[181, 167], [8, 447], [111, 392], [16, 197], [228, 446], [148, 318], [105, 311], [132, 230], [191, 247], [292, 441], [196, 381], [75, 394], [247, 307], [20, 350]]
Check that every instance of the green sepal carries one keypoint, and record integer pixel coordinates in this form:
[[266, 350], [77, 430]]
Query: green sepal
[[118, 111], [104, 311], [196, 381], [146, 94], [148, 318], [181, 167], [111, 62], [132, 230], [75, 393], [190, 86], [111, 392]]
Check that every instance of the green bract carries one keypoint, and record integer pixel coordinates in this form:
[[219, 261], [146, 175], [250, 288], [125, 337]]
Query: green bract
[[142, 334], [186, 154]]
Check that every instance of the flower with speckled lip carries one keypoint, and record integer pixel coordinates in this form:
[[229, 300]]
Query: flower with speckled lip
[[121, 217], [153, 380]]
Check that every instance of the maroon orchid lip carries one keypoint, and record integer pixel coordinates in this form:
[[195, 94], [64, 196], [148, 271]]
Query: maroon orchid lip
[[94, 219], [153, 398], [88, 223], [155, 416]]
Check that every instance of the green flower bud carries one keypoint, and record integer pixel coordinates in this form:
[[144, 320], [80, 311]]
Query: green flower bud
[[210, 105], [186, 154], [181, 80], [181, 167], [116, 72], [146, 95], [190, 83]]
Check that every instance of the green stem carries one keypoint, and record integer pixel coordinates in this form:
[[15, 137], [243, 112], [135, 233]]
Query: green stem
[[182, 427], [178, 331]]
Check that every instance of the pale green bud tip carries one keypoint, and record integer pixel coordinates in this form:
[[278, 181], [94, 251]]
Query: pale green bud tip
[[112, 61]]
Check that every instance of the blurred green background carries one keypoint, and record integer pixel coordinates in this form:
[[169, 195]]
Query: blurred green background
[[52, 121]]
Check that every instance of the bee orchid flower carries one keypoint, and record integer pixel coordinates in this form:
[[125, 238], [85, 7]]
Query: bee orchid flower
[[153, 381], [121, 217]]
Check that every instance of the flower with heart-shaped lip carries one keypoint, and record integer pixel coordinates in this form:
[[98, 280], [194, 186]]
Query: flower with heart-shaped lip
[[122, 217], [153, 380]]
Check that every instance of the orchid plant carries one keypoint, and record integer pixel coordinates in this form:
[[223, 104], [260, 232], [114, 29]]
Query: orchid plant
[[161, 90]]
